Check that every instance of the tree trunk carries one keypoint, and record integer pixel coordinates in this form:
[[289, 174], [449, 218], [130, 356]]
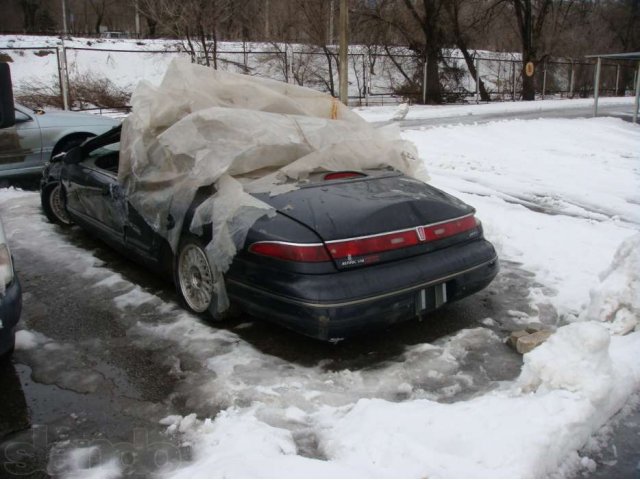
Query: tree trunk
[[151, 26], [434, 93], [528, 83], [329, 55], [484, 95]]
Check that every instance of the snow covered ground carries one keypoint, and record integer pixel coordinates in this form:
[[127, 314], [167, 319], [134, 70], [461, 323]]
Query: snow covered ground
[[560, 197]]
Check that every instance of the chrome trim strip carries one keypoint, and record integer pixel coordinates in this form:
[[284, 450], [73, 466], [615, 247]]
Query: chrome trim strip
[[362, 300], [292, 244], [399, 231]]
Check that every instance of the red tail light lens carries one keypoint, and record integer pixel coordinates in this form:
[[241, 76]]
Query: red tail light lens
[[358, 247], [404, 238], [295, 252], [378, 243], [342, 175]]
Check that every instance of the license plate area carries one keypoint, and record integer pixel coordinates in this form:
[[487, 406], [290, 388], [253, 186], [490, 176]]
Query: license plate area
[[430, 298]]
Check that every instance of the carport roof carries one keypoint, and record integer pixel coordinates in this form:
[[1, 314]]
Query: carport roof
[[617, 56], [596, 82]]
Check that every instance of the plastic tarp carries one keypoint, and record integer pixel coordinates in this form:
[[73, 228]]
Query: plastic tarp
[[244, 135]]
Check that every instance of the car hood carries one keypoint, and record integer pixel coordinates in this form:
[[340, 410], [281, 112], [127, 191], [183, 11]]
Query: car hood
[[74, 119]]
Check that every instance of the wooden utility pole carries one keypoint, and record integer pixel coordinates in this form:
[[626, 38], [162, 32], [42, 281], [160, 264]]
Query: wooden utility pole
[[344, 48]]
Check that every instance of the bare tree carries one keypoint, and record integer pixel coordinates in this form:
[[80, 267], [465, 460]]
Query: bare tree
[[99, 9], [538, 22], [418, 24], [29, 12], [197, 22], [465, 17]]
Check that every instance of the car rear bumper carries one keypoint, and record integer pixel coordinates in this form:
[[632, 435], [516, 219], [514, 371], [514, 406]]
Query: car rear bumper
[[10, 308], [337, 305]]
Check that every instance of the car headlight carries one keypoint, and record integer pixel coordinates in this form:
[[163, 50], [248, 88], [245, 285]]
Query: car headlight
[[6, 267]]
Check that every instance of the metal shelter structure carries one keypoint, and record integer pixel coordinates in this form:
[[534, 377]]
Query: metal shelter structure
[[632, 56]]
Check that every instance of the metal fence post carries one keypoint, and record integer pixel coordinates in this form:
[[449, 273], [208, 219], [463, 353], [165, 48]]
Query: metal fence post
[[477, 80], [513, 68], [64, 76], [544, 79], [637, 104], [572, 79], [364, 76], [596, 87], [424, 82], [617, 78]]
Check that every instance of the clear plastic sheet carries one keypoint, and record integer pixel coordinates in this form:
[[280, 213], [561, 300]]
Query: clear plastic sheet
[[244, 135]]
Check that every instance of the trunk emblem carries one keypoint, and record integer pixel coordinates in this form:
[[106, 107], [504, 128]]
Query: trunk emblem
[[421, 235]]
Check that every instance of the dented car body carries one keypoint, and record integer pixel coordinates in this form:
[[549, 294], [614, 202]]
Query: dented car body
[[343, 252]]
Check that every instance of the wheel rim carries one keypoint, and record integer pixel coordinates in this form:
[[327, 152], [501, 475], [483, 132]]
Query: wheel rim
[[57, 205], [195, 277]]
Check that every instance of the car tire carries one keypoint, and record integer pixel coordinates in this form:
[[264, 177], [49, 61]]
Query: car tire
[[54, 205], [194, 278]]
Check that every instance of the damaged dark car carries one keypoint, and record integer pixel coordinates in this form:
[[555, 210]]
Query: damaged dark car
[[347, 251]]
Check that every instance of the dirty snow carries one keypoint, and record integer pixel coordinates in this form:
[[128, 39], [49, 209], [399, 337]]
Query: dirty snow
[[561, 204]]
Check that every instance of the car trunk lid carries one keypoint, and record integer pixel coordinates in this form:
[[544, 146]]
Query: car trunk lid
[[377, 218]]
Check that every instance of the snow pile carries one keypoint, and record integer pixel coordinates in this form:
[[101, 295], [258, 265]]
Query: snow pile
[[243, 134], [616, 300], [568, 388]]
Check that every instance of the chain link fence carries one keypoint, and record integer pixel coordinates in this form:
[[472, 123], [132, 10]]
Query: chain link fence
[[377, 75]]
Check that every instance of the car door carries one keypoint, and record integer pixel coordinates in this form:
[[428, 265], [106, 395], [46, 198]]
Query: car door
[[21, 145], [93, 194]]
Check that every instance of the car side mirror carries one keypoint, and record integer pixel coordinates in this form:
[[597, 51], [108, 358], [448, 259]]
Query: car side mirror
[[7, 112], [73, 156]]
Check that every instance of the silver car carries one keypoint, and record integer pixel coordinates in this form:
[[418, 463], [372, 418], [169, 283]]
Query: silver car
[[38, 135]]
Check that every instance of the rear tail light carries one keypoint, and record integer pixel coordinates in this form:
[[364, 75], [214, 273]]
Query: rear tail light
[[362, 246], [295, 252], [358, 247], [343, 175]]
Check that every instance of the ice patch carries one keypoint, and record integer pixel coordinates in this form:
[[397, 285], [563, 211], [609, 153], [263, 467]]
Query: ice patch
[[28, 340], [110, 281], [134, 298], [85, 462]]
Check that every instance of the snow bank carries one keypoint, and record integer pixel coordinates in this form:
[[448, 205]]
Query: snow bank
[[423, 112], [616, 300]]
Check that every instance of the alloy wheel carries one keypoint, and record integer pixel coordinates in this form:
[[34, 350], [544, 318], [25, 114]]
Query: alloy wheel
[[195, 278]]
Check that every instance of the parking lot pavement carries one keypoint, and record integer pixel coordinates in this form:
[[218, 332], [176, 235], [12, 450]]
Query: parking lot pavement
[[106, 353]]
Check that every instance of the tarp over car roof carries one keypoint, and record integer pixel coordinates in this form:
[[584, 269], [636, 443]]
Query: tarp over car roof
[[244, 134]]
